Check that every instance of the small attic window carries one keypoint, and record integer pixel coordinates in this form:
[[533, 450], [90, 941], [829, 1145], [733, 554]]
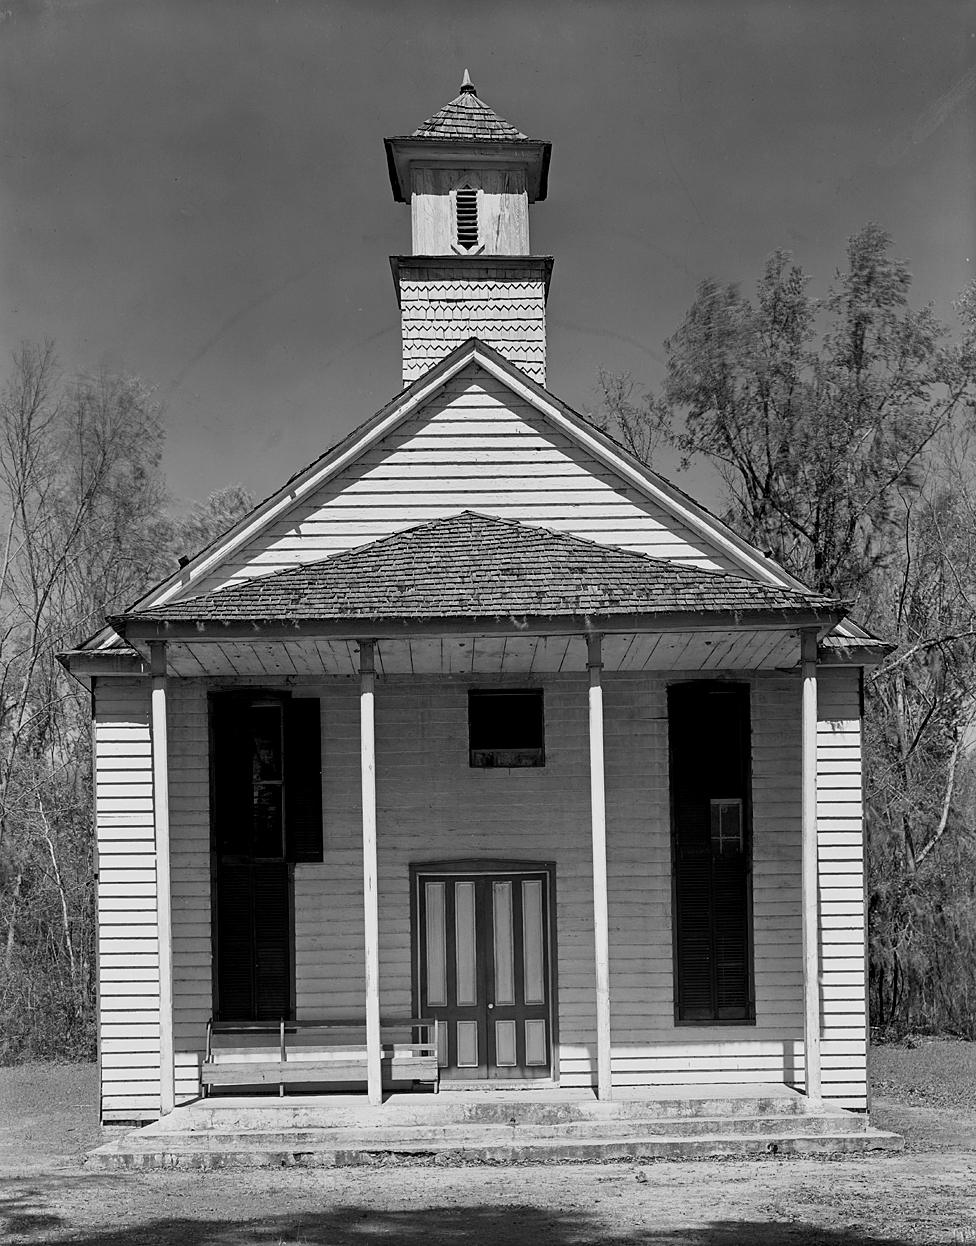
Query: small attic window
[[466, 209], [505, 728]]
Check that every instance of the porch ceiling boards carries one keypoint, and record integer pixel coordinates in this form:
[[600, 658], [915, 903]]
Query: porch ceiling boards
[[488, 655]]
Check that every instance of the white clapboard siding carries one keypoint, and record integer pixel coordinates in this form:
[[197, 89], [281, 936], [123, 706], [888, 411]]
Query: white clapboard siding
[[128, 953], [432, 805], [841, 851], [475, 445]]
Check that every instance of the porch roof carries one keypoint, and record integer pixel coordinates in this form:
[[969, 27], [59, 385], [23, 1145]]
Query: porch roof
[[472, 567]]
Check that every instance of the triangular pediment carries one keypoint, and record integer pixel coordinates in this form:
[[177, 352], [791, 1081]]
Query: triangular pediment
[[475, 433]]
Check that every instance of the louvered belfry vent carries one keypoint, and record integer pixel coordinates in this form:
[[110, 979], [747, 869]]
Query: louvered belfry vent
[[467, 217]]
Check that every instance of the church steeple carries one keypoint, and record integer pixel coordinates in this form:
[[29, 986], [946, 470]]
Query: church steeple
[[469, 177]]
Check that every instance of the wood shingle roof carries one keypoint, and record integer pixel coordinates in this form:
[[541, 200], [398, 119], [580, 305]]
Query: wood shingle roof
[[470, 566], [466, 118]]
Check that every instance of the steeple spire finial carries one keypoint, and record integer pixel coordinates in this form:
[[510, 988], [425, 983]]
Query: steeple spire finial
[[467, 86]]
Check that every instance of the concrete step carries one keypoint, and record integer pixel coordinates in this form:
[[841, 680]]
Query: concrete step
[[472, 1133], [453, 1108], [174, 1151]]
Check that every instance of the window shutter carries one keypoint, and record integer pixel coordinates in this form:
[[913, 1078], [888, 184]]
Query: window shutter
[[731, 936], [253, 925], [692, 895], [232, 813], [272, 940], [303, 780], [235, 943]]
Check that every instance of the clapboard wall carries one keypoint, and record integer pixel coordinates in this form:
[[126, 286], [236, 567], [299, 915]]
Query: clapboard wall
[[128, 948], [475, 446], [432, 805], [840, 831]]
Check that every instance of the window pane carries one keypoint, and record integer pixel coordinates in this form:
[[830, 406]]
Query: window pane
[[267, 820], [506, 728], [265, 724], [506, 719], [726, 826]]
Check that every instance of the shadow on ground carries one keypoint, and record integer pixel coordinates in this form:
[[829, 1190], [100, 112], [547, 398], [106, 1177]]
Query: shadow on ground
[[23, 1219]]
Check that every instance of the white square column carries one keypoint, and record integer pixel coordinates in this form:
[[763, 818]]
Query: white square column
[[164, 898], [810, 891], [601, 908], [371, 913]]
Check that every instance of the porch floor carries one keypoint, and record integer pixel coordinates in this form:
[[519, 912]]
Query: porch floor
[[545, 1125], [470, 1095]]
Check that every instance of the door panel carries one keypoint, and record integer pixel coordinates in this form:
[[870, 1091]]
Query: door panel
[[484, 972]]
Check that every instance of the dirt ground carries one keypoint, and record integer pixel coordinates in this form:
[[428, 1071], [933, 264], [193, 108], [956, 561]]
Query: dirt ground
[[926, 1194]]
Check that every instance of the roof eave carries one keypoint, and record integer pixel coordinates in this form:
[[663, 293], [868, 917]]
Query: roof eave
[[135, 628], [404, 150], [84, 663]]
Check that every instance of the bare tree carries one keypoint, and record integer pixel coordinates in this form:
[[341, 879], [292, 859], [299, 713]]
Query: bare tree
[[841, 428], [87, 526]]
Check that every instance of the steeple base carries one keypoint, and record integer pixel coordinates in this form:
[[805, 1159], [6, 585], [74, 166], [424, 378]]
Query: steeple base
[[446, 299]]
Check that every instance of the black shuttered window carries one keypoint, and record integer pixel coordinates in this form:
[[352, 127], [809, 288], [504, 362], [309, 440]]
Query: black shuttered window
[[709, 735], [266, 802]]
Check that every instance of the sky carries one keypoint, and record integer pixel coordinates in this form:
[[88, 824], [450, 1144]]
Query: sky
[[195, 191]]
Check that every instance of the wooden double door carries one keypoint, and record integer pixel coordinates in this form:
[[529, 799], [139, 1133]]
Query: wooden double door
[[483, 969]]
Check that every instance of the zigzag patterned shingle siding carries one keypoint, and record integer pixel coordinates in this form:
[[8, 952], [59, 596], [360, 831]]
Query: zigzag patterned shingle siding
[[437, 316]]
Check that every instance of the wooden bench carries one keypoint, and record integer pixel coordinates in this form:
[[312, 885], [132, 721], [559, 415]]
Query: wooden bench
[[269, 1053]]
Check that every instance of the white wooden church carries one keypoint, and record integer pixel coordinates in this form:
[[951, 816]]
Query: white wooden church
[[478, 754]]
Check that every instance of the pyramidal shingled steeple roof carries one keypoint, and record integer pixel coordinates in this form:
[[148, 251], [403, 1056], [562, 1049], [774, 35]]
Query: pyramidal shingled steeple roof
[[468, 117]]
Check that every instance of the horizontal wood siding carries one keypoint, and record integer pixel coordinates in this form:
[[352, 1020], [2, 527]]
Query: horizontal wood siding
[[128, 950], [840, 831], [475, 446], [432, 805]]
